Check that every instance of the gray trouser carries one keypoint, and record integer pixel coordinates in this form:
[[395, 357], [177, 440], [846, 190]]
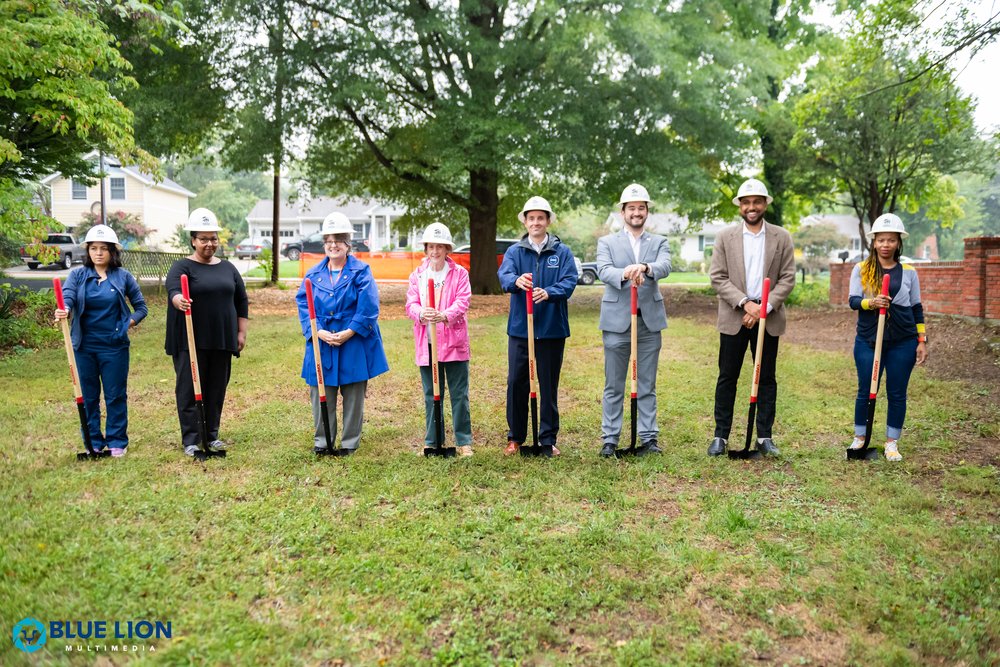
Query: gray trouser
[[354, 412], [617, 349]]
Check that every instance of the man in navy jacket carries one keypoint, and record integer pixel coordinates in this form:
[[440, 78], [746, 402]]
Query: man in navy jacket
[[542, 265]]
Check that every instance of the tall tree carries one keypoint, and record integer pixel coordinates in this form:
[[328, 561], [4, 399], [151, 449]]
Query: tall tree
[[459, 110], [269, 113], [880, 138]]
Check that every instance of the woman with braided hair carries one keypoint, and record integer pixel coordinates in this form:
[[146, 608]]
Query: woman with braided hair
[[904, 342]]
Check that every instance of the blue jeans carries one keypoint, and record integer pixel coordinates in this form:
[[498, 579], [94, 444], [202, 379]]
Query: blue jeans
[[898, 359], [105, 367]]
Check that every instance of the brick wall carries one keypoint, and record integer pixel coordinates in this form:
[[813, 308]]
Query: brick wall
[[970, 287]]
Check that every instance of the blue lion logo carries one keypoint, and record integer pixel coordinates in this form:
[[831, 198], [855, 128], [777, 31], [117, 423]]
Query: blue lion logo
[[29, 635]]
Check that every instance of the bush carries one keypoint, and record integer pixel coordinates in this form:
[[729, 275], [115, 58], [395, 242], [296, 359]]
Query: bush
[[809, 295], [25, 319]]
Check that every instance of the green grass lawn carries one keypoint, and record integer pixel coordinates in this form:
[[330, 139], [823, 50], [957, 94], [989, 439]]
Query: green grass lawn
[[271, 556]]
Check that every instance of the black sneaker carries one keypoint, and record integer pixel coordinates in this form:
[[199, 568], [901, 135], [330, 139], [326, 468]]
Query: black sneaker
[[608, 450]]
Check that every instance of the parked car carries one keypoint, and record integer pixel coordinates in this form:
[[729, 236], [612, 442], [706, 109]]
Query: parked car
[[314, 244], [247, 249], [461, 253], [70, 251], [588, 273]]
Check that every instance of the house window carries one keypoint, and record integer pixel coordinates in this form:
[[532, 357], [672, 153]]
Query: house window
[[79, 189], [927, 252], [856, 243], [265, 233], [705, 242], [359, 230], [117, 187], [286, 233]]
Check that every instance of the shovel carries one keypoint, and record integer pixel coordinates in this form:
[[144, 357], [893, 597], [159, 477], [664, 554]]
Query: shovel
[[746, 452], [90, 454], [870, 453], [535, 449], [633, 366], [438, 449], [205, 452], [329, 450]]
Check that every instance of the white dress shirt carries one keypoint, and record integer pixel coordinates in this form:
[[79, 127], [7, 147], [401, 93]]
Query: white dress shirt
[[753, 262]]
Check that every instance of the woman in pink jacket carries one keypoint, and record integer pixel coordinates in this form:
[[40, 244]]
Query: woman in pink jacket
[[452, 292]]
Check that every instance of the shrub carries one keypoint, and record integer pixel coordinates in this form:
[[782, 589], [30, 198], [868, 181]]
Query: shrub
[[809, 295], [25, 318]]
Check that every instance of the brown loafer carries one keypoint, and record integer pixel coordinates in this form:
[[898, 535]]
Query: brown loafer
[[511, 448]]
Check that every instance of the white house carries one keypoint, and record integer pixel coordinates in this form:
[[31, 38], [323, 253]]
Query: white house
[[161, 205], [372, 220], [673, 226], [847, 225]]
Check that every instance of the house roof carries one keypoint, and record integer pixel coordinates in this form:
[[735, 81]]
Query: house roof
[[318, 208], [146, 179]]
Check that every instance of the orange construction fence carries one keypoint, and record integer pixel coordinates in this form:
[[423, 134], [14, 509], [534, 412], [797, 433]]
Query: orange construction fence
[[395, 265]]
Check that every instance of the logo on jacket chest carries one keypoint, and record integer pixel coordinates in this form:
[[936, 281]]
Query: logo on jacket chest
[[552, 262]]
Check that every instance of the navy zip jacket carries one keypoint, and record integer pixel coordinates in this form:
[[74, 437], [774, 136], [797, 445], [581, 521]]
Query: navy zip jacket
[[554, 270], [125, 286]]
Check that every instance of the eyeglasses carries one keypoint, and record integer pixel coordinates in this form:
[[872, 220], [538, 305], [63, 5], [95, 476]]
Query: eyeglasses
[[334, 243], [211, 241]]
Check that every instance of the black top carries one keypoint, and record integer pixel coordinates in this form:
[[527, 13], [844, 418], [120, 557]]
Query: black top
[[218, 299]]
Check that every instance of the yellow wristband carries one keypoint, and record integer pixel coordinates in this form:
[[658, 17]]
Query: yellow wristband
[[865, 304]]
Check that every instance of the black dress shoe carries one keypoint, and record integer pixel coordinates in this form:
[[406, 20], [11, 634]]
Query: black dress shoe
[[649, 447], [608, 450], [767, 448], [717, 448]]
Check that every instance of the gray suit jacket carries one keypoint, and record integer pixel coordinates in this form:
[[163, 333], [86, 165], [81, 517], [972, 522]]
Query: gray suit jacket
[[614, 253], [729, 279]]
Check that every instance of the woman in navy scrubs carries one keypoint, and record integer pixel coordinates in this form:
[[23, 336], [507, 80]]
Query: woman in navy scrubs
[[105, 302]]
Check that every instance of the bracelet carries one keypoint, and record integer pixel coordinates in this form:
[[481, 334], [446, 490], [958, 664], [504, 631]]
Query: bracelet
[[921, 339]]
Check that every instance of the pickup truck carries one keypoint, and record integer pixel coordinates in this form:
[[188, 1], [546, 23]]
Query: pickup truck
[[65, 247]]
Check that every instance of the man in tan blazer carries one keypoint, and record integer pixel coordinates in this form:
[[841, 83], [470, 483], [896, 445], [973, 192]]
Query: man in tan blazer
[[744, 254]]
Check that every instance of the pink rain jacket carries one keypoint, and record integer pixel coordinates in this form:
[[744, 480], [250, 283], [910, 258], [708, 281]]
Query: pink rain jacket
[[453, 337]]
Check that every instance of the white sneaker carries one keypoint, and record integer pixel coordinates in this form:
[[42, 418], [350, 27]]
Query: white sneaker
[[858, 443], [892, 452], [216, 446], [190, 450], [465, 450]]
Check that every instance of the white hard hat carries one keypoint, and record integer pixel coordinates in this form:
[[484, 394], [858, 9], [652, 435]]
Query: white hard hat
[[337, 223], [635, 192], [437, 233], [202, 220], [537, 204], [104, 234], [887, 222], [752, 188]]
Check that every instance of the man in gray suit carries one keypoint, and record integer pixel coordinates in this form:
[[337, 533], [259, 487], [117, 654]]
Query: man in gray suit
[[631, 256], [745, 254]]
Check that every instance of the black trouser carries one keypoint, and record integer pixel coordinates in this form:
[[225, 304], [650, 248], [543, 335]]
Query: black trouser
[[732, 350], [548, 363], [214, 367]]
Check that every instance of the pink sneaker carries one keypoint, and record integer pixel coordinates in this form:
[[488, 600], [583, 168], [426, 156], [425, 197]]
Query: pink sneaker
[[117, 452]]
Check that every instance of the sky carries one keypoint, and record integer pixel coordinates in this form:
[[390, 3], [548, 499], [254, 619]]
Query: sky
[[980, 78]]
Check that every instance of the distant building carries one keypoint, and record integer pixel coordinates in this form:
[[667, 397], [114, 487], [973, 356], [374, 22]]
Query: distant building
[[847, 225], [373, 222], [160, 205]]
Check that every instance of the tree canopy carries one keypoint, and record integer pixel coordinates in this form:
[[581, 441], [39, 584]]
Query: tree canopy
[[460, 111]]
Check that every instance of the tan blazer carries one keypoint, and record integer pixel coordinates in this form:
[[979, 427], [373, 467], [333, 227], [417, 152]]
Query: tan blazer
[[729, 276]]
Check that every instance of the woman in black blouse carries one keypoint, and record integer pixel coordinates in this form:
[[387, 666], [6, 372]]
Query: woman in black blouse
[[220, 318]]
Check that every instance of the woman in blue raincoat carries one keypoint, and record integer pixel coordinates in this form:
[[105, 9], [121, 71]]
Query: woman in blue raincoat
[[347, 306]]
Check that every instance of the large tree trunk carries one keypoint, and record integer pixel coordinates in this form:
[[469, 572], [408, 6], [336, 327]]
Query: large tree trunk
[[483, 231]]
